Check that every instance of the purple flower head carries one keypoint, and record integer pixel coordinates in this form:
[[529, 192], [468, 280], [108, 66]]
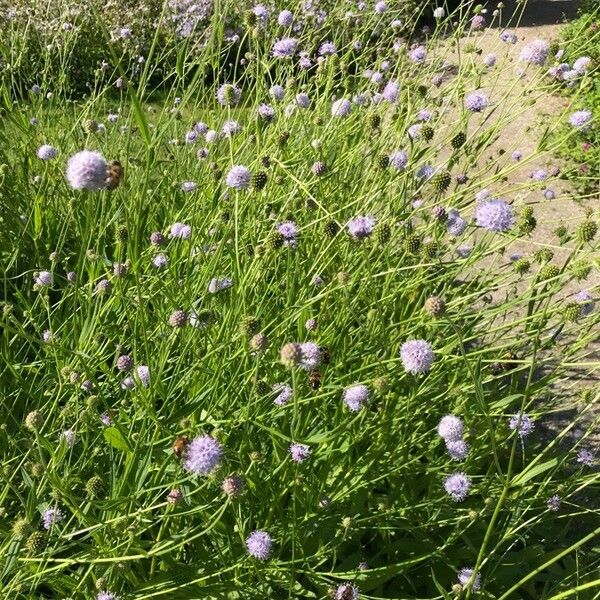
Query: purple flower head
[[517, 155], [181, 231], [535, 53], [160, 261], [457, 486], [376, 78], [585, 299], [450, 428], [361, 227], [46, 152], [51, 516], [414, 131], [230, 128], [418, 54], [478, 22], [586, 457], [191, 137], [391, 91], [346, 591], [341, 108], [261, 13], [582, 64], [581, 119], [44, 279], [355, 396], [285, 18], [494, 215], [522, 423], [311, 356], [381, 7], [200, 127], [398, 160], [69, 436], [228, 94], [302, 100], [417, 356], [266, 112], [259, 545], [464, 576], [238, 177], [425, 172], [86, 170], [285, 48], [143, 374], [508, 37], [299, 452], [202, 153], [489, 60], [203, 455], [455, 224], [289, 231], [327, 49], [457, 449], [476, 102], [424, 115], [553, 503], [106, 419], [284, 393], [106, 595], [277, 92]]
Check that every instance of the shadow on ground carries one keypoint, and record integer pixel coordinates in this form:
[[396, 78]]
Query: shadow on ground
[[542, 12]]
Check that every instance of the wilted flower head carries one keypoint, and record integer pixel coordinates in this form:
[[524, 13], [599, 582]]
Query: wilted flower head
[[355, 396], [228, 94], [219, 284], [417, 356], [69, 436], [259, 545], [203, 455], [346, 591], [87, 170], [494, 215], [586, 457], [189, 186], [51, 516], [554, 503], [284, 393], [457, 486]]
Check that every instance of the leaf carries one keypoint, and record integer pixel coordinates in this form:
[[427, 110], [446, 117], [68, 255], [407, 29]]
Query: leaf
[[116, 439], [532, 472]]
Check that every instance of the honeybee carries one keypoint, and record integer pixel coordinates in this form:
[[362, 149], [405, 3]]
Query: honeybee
[[114, 174], [180, 445], [314, 380], [510, 357]]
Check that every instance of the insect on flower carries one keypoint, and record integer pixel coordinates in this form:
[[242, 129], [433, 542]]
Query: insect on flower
[[114, 174]]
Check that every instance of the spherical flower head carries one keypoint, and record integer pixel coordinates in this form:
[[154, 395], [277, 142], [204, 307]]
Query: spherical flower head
[[266, 112], [341, 108], [478, 22], [87, 170], [228, 94], [302, 100], [426, 172], [233, 485], [398, 160], [361, 227], [489, 60], [103, 287], [261, 13], [277, 92], [327, 48], [174, 496], [259, 545], [522, 423], [285, 18], [51, 516], [346, 591], [457, 486], [69, 436], [554, 503], [47, 152], [284, 393], [455, 224], [203, 456], [418, 54], [494, 215], [535, 53], [464, 576], [311, 324], [105, 595], [44, 279], [160, 261], [414, 131], [143, 374], [124, 363], [381, 7], [476, 102], [586, 457], [289, 231], [285, 47], [508, 37], [189, 186], [299, 452], [450, 428], [439, 12], [417, 356], [355, 396], [311, 356], [181, 231], [391, 91], [582, 64], [539, 175], [191, 137], [457, 449], [581, 119], [239, 177], [517, 155], [585, 299]]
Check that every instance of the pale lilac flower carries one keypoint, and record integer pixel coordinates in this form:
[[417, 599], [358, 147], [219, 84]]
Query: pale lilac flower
[[327, 49], [181, 231], [52, 516], [289, 231], [489, 60], [457, 449], [46, 152], [535, 52], [455, 224], [457, 486], [586, 457], [414, 131], [450, 428], [346, 591], [266, 112], [311, 356], [554, 503], [277, 92], [478, 22], [302, 100], [143, 374], [586, 301], [425, 172], [284, 393], [219, 284], [204, 453], [160, 261], [581, 119], [238, 177], [522, 423], [285, 18], [355, 396], [398, 160], [361, 227], [582, 64], [476, 102], [106, 595], [87, 170], [494, 215], [285, 48], [228, 94], [44, 279], [341, 108], [299, 452], [464, 576], [391, 91], [418, 54], [69, 436], [508, 37], [381, 7], [417, 356], [259, 545]]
